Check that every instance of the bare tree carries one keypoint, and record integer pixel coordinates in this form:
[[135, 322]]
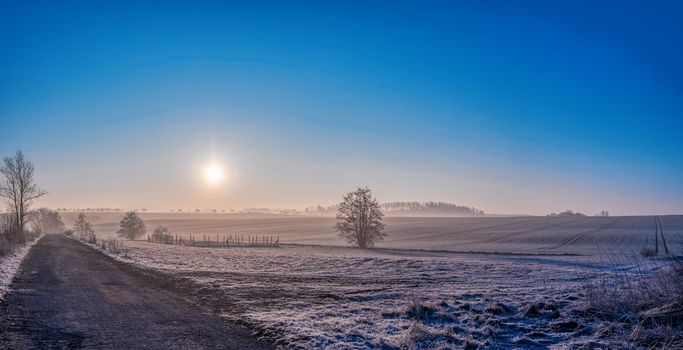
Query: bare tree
[[132, 226], [19, 190], [84, 229], [46, 220], [359, 219]]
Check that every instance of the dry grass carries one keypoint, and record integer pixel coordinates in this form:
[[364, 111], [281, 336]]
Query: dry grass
[[10, 241], [114, 246], [639, 301]]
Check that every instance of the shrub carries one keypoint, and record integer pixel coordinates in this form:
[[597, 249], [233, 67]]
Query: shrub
[[114, 246], [647, 252]]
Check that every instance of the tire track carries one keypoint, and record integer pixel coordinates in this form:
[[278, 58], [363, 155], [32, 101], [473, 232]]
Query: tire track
[[574, 239], [509, 236], [661, 233], [467, 230], [656, 236]]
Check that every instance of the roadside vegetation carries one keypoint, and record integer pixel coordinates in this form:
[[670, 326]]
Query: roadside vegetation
[[20, 224], [18, 192]]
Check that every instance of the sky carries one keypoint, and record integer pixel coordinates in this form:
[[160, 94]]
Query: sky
[[524, 107]]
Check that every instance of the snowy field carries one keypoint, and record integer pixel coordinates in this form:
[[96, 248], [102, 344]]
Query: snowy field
[[342, 298], [573, 235], [433, 283]]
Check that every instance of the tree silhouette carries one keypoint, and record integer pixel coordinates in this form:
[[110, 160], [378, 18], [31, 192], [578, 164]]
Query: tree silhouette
[[359, 219], [132, 226]]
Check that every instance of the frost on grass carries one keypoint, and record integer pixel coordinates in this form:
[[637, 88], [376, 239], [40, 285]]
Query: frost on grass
[[338, 298], [9, 265]]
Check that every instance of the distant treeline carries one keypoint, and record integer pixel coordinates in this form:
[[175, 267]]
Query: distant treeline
[[571, 213], [92, 210], [409, 208]]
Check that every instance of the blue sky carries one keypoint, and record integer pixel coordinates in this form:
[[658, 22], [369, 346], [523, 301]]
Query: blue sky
[[524, 107]]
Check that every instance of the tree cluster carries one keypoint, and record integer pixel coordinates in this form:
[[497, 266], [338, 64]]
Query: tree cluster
[[83, 229], [46, 220]]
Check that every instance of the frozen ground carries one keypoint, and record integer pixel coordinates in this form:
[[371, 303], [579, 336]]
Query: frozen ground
[[9, 266], [574, 235], [342, 298]]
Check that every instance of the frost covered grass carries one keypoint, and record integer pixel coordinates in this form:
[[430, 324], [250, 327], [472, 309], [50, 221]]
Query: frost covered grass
[[642, 303], [340, 298], [9, 265]]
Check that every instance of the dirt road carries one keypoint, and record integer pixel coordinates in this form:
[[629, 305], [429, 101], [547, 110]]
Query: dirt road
[[71, 296]]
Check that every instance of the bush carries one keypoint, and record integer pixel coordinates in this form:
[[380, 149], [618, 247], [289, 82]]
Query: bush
[[647, 252], [418, 311], [69, 233]]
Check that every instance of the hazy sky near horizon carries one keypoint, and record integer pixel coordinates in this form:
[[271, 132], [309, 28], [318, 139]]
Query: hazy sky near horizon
[[511, 107]]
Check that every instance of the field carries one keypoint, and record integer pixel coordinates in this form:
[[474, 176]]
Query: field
[[433, 284], [524, 234]]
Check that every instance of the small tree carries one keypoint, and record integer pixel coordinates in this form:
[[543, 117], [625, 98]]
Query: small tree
[[83, 229], [47, 221], [132, 226], [359, 219], [19, 190]]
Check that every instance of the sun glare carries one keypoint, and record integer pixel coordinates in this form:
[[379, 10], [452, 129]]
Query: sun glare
[[214, 173]]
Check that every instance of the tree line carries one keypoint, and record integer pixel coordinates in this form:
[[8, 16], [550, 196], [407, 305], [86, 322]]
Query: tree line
[[410, 208]]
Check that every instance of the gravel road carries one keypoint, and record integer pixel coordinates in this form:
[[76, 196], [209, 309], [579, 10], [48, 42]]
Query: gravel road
[[68, 295]]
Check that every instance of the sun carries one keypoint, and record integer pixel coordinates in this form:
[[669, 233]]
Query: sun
[[213, 174]]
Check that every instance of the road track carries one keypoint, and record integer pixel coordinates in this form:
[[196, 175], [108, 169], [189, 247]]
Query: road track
[[71, 296]]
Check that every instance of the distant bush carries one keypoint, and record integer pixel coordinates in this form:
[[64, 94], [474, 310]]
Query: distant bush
[[69, 233], [161, 235], [647, 252]]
